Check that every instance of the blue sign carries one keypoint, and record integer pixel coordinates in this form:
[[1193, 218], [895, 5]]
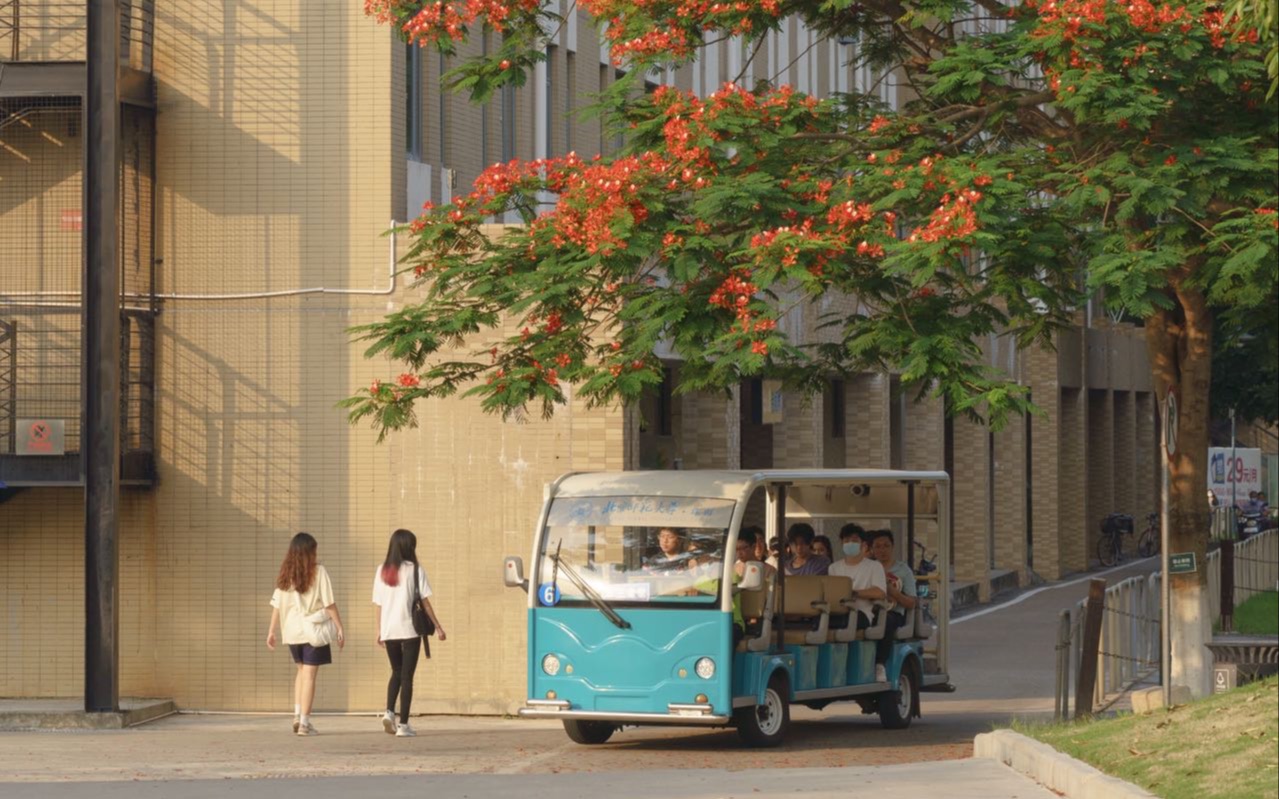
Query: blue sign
[[548, 594]]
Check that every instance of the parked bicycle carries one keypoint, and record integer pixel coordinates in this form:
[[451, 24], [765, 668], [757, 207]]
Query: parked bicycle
[[1110, 546]]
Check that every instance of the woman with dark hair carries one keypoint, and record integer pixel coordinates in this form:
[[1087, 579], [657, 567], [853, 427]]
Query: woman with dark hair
[[302, 604], [399, 583]]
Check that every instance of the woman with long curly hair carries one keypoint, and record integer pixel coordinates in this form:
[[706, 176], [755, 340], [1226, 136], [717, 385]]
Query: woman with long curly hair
[[398, 584], [302, 600]]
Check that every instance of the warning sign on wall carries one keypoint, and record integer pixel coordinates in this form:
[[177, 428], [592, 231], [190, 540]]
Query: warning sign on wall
[[41, 437]]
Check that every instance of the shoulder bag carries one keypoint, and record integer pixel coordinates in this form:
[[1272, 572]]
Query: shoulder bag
[[422, 623], [318, 626]]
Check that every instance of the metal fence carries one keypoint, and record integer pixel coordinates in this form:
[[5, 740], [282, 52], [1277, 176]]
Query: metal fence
[[1130, 631], [1256, 570]]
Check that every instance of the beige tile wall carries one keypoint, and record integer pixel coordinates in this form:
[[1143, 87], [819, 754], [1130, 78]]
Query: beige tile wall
[[42, 596]]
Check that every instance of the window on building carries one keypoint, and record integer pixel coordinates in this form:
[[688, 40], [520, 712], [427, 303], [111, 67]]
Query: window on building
[[570, 91], [413, 101], [508, 123], [664, 396], [548, 102], [836, 408]]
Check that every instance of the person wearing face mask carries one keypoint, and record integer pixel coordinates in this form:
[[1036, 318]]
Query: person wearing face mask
[[869, 585]]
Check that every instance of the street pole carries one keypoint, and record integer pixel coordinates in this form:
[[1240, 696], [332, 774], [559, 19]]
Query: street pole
[[1165, 581], [100, 433], [1230, 475]]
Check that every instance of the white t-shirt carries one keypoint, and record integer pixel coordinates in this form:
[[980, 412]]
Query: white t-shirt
[[295, 607], [866, 573], [397, 624]]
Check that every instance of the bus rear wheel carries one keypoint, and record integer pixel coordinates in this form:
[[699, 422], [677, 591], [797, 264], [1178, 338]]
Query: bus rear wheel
[[588, 732], [897, 706], [765, 724]]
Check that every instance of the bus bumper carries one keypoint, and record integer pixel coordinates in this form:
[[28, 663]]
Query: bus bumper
[[677, 714]]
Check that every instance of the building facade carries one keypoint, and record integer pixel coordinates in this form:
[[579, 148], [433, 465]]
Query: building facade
[[267, 146]]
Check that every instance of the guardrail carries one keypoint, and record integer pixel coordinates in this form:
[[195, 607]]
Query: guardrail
[[1130, 631], [1256, 570]]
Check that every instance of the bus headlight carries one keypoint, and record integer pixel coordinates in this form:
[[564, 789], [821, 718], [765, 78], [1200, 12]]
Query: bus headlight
[[551, 665], [705, 668]]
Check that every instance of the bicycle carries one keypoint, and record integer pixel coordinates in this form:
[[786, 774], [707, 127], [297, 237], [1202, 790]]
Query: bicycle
[[1110, 545], [1148, 542]]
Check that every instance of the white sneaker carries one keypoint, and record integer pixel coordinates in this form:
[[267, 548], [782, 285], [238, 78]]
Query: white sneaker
[[296, 723], [307, 729], [880, 674], [388, 722], [404, 731]]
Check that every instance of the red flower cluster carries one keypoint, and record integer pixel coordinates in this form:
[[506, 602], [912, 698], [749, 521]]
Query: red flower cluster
[[954, 218], [657, 27], [442, 19]]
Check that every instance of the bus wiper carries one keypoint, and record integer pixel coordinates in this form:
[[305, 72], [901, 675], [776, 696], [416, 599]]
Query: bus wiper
[[590, 593]]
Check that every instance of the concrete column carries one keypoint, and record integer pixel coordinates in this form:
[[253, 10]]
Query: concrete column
[[924, 439], [1010, 499], [798, 438], [1100, 464], [971, 554], [1072, 480], [706, 428], [868, 432], [1125, 453], [1040, 371]]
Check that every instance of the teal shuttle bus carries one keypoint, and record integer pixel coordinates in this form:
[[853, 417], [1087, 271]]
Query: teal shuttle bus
[[641, 612]]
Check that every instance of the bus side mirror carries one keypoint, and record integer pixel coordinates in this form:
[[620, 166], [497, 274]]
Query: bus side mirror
[[752, 576], [513, 573]]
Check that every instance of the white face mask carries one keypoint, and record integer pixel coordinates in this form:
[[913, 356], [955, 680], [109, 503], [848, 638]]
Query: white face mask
[[852, 548]]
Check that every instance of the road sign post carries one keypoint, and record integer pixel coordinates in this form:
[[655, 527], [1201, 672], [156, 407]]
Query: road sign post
[[1165, 582]]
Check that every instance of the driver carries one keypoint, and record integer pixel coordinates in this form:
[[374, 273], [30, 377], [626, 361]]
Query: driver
[[672, 554]]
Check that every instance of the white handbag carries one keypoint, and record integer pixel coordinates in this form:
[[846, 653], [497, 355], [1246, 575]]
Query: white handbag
[[320, 629]]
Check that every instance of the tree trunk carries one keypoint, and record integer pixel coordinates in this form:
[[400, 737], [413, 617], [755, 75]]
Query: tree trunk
[[1180, 344]]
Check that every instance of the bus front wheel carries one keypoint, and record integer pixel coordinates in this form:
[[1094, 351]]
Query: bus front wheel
[[766, 723], [588, 732], [897, 706]]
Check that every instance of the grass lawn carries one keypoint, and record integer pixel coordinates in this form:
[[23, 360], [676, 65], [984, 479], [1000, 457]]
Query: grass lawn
[[1226, 745], [1259, 615]]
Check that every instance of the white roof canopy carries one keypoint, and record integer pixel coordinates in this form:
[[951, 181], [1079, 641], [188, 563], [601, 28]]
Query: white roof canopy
[[811, 493]]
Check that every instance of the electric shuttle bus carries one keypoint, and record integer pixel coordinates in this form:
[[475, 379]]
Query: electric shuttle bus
[[640, 614]]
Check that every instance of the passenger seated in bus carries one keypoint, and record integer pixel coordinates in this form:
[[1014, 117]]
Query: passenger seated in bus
[[754, 536], [672, 554], [802, 561], [901, 582], [869, 585], [822, 547]]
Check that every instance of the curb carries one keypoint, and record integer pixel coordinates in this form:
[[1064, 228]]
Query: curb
[[32, 720], [1054, 770]]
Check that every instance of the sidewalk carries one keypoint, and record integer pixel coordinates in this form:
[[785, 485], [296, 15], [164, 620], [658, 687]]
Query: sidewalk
[[963, 779], [1003, 657]]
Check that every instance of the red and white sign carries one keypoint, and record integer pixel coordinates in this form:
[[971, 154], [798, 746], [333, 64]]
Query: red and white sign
[[71, 219], [1243, 471]]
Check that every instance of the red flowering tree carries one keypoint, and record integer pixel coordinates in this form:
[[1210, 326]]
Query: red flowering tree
[[1129, 142]]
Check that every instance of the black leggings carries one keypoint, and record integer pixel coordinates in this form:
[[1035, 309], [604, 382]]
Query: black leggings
[[403, 656]]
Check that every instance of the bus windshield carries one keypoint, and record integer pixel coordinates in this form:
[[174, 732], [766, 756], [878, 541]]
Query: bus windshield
[[635, 550]]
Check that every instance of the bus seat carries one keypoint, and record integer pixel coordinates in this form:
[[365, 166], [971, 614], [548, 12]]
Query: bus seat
[[838, 592], [907, 630], [924, 629], [757, 611], [876, 631], [805, 604]]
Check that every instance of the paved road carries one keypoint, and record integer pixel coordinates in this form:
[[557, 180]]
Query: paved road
[[963, 779], [1002, 662]]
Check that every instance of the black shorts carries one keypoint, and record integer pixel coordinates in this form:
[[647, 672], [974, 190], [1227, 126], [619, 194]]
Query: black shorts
[[309, 655]]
